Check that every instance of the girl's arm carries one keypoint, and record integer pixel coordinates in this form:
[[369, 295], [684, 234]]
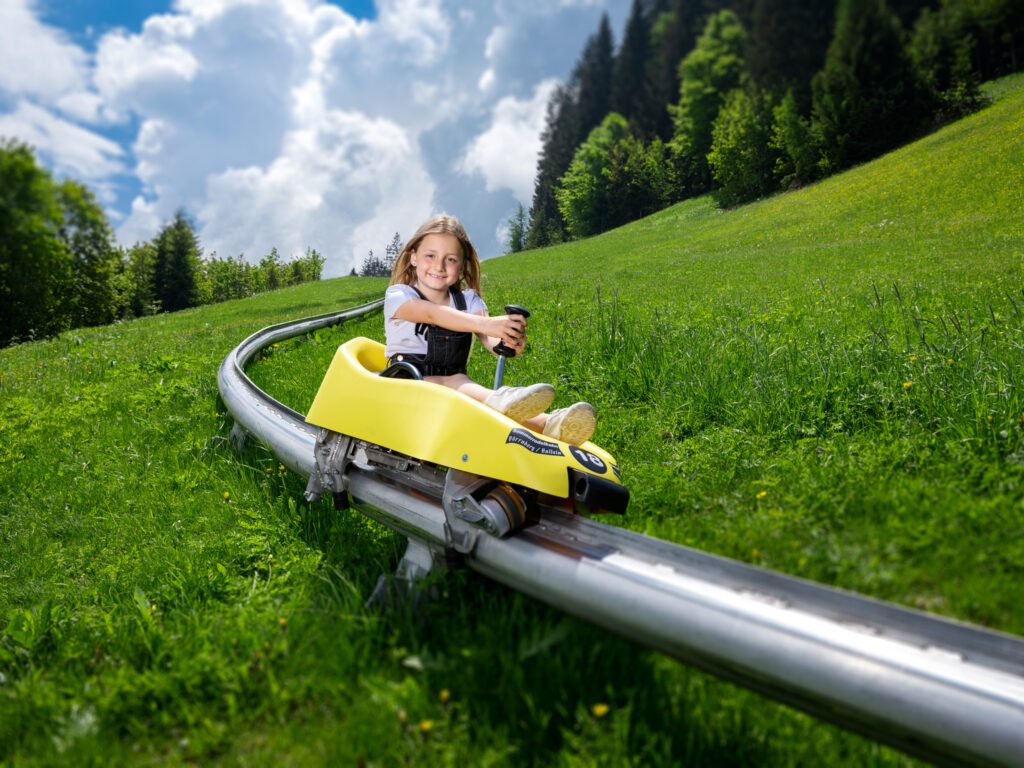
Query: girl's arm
[[490, 330]]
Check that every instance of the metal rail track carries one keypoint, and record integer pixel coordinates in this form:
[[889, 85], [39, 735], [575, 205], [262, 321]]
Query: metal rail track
[[942, 690]]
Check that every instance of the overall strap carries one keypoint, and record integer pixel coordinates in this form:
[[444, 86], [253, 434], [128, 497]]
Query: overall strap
[[459, 298]]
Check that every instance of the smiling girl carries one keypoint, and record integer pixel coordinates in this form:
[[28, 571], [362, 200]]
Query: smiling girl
[[432, 310]]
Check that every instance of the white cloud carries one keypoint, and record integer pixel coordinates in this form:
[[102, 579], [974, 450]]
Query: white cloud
[[289, 123], [36, 60], [127, 63], [339, 185], [73, 150], [506, 153], [417, 27]]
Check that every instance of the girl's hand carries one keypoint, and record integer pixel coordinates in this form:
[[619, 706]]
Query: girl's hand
[[510, 329]]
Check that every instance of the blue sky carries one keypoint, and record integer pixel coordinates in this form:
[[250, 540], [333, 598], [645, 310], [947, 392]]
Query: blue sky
[[87, 20], [292, 123]]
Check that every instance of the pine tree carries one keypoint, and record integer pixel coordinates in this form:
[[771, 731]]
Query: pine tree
[[630, 68], [788, 41], [573, 111], [391, 252], [518, 225], [557, 144], [176, 267], [869, 97], [593, 79]]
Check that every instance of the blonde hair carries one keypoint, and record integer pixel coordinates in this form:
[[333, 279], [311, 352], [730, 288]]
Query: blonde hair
[[403, 272]]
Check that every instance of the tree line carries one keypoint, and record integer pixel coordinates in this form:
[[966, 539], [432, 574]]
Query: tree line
[[375, 266], [742, 98], [60, 267]]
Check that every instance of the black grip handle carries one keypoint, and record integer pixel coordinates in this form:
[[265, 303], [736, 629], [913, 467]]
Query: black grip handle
[[500, 348]]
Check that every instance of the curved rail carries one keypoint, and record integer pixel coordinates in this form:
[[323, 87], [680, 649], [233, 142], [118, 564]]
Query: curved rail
[[939, 689]]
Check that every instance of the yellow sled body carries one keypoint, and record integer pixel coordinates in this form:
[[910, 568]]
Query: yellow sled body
[[433, 423]]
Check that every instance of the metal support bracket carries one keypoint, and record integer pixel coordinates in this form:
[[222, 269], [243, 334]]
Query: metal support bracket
[[237, 437], [416, 564], [464, 516], [332, 460]]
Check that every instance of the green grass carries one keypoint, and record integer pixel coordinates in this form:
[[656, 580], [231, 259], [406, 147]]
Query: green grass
[[824, 383]]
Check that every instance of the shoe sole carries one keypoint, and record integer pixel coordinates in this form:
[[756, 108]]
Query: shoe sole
[[577, 425], [535, 401]]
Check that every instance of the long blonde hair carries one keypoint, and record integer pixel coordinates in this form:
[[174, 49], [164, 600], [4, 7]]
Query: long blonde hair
[[403, 272]]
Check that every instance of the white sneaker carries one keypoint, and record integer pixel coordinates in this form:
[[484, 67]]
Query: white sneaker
[[522, 403], [573, 425]]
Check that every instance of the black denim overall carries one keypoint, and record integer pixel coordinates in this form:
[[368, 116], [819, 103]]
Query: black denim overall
[[447, 351]]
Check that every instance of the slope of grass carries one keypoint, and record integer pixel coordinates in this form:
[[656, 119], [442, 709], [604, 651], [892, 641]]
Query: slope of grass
[[825, 382]]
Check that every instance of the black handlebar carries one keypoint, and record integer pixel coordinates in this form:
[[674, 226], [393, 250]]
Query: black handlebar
[[510, 309]]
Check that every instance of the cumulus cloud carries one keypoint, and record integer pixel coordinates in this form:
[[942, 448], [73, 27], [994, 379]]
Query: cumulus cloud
[[73, 150], [289, 123], [506, 153], [338, 184], [36, 60], [127, 63]]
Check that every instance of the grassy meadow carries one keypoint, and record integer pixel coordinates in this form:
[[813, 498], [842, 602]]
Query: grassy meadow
[[825, 383]]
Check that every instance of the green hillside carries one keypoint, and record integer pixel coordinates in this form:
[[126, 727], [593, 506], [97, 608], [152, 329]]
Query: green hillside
[[824, 383]]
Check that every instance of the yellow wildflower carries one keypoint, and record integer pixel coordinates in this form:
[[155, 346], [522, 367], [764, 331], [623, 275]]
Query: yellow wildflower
[[762, 494], [227, 495], [444, 694], [426, 726], [908, 384], [600, 709]]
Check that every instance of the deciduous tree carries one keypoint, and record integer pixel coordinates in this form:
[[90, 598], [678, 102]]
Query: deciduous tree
[[35, 266], [712, 69]]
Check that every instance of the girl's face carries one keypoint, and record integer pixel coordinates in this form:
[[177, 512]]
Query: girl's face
[[438, 262]]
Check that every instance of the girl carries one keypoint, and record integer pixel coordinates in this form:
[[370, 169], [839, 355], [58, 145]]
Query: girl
[[429, 321]]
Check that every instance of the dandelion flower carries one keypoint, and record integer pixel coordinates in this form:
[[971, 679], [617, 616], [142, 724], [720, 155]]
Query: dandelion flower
[[913, 358], [444, 694], [282, 622], [908, 384], [280, 467], [762, 494], [600, 709], [949, 361], [227, 495], [426, 726]]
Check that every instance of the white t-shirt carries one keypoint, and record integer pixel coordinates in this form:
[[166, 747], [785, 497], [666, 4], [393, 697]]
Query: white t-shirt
[[403, 337]]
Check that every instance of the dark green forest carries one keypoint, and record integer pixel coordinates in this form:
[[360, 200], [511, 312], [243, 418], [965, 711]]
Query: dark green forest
[[744, 98]]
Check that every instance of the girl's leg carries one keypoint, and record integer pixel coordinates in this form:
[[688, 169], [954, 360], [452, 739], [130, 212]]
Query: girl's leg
[[574, 424], [518, 403], [460, 382]]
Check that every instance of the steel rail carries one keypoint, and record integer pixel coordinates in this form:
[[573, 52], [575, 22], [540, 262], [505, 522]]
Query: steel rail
[[946, 691]]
